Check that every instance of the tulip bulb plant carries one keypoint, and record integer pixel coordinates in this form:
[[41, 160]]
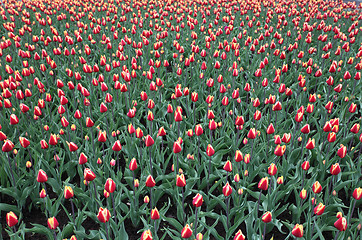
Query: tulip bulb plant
[[208, 114]]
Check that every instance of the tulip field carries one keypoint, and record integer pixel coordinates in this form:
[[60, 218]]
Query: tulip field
[[180, 119]]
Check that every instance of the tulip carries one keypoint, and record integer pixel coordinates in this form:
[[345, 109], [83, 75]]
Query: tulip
[[341, 224], [11, 219], [155, 214], [89, 175], [42, 176], [319, 209], [53, 223], [146, 235], [186, 232], [298, 231], [239, 236]]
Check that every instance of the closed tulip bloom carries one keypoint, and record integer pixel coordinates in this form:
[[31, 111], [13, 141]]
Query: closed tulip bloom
[[110, 185], [303, 194], [272, 169], [42, 193], [305, 129], [228, 166], [357, 193], [89, 175], [103, 215], [279, 150], [239, 236], [238, 156], [267, 217], [197, 200], [133, 164], [177, 147], [102, 136], [342, 151], [11, 219], [186, 232], [180, 181], [42, 176], [310, 144], [263, 183], [305, 165], [341, 224], [150, 182], [335, 169], [72, 147], [146, 235], [227, 190], [210, 150], [317, 187], [298, 231], [82, 159], [331, 137], [68, 192], [198, 130], [155, 214], [53, 223], [252, 133], [117, 146], [270, 129], [7, 146], [149, 141], [212, 124], [319, 209]]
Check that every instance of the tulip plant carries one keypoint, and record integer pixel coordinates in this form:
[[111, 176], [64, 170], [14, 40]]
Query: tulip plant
[[180, 119]]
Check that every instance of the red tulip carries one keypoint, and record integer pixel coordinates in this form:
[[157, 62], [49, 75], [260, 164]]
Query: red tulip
[[335, 169], [11, 219], [146, 235], [210, 150], [239, 236], [110, 185], [103, 215], [227, 190], [42, 176], [298, 231], [149, 141], [357, 193], [68, 192], [89, 175], [177, 147], [341, 224], [319, 209], [263, 183], [180, 181], [317, 187], [267, 217], [150, 182], [197, 200], [155, 214], [53, 223], [186, 232]]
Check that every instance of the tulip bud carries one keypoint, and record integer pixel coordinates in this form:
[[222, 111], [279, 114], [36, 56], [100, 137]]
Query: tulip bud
[[197, 200], [298, 231], [263, 183], [11, 219], [150, 182], [103, 215], [267, 217], [186, 232], [68, 192], [227, 190], [53, 223], [341, 224], [155, 214], [239, 236]]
